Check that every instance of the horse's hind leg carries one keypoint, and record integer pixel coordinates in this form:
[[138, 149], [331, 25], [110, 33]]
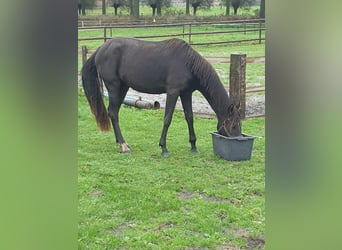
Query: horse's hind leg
[[186, 99], [116, 95]]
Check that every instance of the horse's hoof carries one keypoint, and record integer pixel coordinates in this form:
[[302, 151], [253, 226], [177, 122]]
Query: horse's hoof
[[125, 148], [165, 154], [126, 152], [194, 151]]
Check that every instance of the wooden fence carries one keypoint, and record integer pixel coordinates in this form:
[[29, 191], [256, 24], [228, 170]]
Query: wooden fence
[[248, 26], [237, 77]]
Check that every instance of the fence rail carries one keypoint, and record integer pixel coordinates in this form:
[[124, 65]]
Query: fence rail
[[85, 51], [258, 27], [239, 90]]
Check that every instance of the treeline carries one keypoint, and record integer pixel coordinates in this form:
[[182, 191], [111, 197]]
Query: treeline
[[157, 5]]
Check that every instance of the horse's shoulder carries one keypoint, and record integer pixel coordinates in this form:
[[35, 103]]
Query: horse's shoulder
[[176, 41], [175, 44]]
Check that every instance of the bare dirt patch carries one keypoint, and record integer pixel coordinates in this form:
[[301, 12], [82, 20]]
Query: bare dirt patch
[[189, 195], [255, 105], [96, 193], [119, 229], [252, 242]]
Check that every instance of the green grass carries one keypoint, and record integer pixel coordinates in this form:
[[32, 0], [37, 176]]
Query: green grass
[[162, 31], [185, 201], [254, 74], [146, 11]]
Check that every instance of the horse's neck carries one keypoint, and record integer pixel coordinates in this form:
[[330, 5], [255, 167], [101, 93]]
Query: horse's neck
[[218, 99]]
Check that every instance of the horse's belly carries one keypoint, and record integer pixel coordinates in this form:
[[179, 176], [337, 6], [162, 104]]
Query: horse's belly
[[146, 83], [148, 90], [155, 79]]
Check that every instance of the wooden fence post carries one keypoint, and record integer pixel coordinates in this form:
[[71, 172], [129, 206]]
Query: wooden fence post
[[237, 81], [105, 34], [84, 54], [260, 32], [189, 33]]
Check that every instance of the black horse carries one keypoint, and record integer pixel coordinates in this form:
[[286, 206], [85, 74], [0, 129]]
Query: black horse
[[170, 67]]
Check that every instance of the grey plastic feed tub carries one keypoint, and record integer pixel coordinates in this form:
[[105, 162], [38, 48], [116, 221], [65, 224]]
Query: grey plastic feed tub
[[233, 148]]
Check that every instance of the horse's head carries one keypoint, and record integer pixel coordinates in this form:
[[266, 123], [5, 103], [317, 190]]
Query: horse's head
[[231, 125]]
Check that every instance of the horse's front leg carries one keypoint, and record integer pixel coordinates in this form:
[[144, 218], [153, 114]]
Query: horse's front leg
[[116, 97], [171, 100], [186, 99]]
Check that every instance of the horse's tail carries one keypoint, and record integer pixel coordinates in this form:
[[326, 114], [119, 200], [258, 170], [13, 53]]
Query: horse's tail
[[92, 89]]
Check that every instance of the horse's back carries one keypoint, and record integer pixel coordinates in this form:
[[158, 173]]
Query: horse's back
[[146, 66]]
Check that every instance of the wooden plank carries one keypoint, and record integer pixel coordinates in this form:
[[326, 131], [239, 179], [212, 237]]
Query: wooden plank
[[252, 89], [227, 60]]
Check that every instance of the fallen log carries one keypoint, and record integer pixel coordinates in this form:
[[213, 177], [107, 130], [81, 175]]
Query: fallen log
[[138, 102]]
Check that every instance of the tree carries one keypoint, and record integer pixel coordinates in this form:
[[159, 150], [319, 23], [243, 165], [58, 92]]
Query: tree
[[195, 4], [161, 3], [79, 7], [262, 9], [187, 7], [117, 4], [227, 7], [134, 6], [86, 4], [157, 5], [103, 7], [203, 3], [153, 4], [236, 5]]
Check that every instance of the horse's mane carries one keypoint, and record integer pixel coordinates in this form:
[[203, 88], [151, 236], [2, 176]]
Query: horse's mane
[[200, 67], [209, 81], [203, 70]]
